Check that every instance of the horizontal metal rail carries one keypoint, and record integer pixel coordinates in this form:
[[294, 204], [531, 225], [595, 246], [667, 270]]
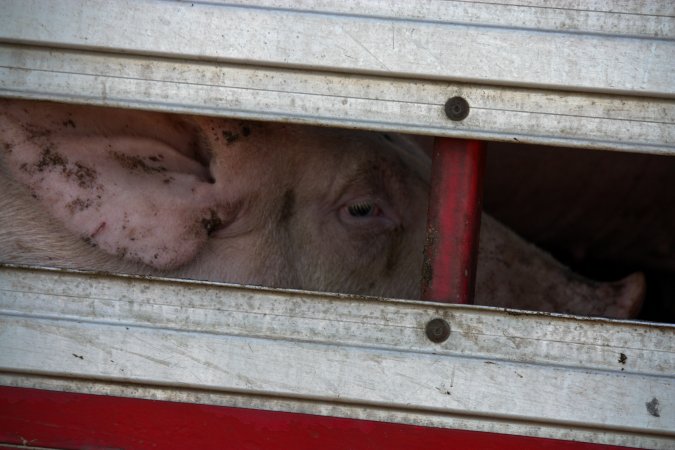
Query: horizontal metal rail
[[627, 51], [499, 371], [550, 74]]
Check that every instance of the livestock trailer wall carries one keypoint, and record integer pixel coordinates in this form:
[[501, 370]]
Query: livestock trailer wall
[[285, 368]]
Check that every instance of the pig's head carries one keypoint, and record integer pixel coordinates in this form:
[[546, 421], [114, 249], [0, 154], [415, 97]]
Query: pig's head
[[255, 203], [217, 199]]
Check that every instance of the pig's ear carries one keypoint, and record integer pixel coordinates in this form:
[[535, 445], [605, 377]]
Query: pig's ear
[[132, 193]]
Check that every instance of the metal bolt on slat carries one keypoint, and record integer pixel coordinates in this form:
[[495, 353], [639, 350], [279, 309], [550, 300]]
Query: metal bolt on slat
[[457, 108], [438, 330]]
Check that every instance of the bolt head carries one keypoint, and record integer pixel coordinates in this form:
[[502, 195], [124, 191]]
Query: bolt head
[[457, 108], [438, 330]]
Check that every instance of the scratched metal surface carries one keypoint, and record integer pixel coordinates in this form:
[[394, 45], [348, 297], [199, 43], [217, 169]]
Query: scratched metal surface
[[598, 77], [500, 371]]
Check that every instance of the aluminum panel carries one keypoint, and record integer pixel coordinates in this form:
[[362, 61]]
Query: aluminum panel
[[379, 103], [421, 42], [524, 373]]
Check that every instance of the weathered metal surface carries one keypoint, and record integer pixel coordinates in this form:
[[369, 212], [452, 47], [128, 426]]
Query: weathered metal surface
[[379, 103], [410, 41], [499, 371], [453, 222], [597, 77], [551, 74], [69, 420]]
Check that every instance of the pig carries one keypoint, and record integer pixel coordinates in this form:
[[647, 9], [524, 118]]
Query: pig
[[273, 204], [606, 214]]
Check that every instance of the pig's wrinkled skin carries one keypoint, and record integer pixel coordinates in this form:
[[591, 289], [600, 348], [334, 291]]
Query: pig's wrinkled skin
[[253, 203]]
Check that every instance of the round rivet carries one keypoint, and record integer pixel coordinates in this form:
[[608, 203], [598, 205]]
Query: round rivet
[[457, 108], [438, 330]]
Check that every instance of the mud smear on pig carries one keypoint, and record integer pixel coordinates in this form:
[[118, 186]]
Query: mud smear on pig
[[172, 185]]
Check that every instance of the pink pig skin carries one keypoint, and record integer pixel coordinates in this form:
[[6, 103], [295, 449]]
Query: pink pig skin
[[249, 202]]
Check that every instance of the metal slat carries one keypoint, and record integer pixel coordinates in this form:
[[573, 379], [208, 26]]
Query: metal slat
[[357, 43], [70, 420], [532, 374], [379, 103], [556, 75], [626, 18]]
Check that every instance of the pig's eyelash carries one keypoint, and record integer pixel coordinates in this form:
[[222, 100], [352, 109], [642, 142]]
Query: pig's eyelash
[[361, 209], [366, 213]]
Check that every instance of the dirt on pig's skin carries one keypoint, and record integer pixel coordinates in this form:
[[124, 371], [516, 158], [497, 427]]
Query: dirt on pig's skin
[[246, 202]]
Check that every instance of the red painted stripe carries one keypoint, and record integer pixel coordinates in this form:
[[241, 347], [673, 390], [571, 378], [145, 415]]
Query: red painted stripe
[[453, 221], [65, 420]]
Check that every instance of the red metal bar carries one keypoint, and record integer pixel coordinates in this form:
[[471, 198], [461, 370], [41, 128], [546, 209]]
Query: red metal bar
[[453, 222], [38, 418]]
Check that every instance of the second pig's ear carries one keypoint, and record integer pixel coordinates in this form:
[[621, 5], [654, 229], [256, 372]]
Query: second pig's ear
[[116, 179]]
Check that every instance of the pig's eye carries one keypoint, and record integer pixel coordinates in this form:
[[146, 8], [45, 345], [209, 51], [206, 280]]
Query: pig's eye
[[361, 209], [367, 214]]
